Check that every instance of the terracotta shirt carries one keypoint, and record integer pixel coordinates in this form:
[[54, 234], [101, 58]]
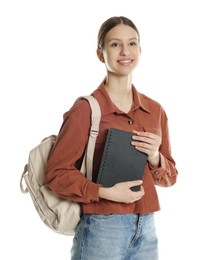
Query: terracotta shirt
[[63, 175]]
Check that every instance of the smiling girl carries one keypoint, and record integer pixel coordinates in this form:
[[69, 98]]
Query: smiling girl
[[117, 223]]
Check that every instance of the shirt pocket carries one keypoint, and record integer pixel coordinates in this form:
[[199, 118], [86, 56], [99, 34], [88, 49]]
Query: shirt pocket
[[153, 129]]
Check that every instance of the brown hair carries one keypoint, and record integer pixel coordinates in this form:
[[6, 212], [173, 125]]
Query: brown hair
[[109, 24]]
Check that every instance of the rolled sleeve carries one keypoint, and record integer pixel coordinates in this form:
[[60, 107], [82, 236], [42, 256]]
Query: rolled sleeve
[[93, 192], [165, 175]]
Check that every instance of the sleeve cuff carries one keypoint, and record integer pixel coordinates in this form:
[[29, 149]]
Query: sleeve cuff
[[93, 195], [158, 171]]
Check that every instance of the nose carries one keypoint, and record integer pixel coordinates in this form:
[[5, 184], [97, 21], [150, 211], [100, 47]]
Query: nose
[[124, 50]]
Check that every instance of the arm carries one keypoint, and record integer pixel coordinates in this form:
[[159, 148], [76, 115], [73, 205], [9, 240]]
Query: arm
[[161, 163], [121, 192], [62, 174]]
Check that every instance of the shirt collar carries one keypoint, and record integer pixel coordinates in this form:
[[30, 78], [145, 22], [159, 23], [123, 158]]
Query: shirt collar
[[140, 101], [107, 107]]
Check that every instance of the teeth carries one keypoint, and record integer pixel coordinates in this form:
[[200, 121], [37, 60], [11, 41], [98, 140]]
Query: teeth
[[125, 61]]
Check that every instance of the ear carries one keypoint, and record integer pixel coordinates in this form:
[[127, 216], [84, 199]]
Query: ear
[[100, 55]]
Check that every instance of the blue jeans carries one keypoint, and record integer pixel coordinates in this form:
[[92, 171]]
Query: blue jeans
[[115, 237]]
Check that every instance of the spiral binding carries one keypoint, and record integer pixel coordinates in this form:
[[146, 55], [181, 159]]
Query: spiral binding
[[105, 156]]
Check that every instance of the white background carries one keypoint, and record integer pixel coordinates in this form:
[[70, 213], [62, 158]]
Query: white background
[[48, 58]]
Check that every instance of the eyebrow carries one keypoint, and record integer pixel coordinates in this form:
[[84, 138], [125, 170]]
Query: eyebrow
[[117, 39]]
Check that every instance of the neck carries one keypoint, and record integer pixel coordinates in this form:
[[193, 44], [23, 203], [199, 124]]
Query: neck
[[120, 93], [121, 86]]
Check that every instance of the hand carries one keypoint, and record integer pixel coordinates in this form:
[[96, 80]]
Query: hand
[[121, 192], [149, 144]]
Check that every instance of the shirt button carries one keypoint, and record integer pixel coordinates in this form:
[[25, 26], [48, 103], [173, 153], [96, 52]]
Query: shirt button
[[130, 121], [156, 172]]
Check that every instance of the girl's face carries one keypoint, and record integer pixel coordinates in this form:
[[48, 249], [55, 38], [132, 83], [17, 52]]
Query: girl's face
[[121, 50]]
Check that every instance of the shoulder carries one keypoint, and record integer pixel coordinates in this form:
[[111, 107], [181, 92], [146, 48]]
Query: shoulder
[[151, 104], [81, 103], [80, 108]]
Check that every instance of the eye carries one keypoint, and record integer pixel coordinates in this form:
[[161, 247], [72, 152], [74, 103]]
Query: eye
[[133, 43], [115, 44]]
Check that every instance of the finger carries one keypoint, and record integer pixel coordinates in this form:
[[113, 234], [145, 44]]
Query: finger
[[142, 144], [138, 194], [143, 150], [142, 139], [146, 135], [142, 190], [134, 183], [135, 132]]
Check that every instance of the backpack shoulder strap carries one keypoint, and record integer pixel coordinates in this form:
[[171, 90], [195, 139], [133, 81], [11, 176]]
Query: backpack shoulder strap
[[94, 130]]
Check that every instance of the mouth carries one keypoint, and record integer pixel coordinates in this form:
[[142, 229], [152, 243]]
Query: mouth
[[125, 62]]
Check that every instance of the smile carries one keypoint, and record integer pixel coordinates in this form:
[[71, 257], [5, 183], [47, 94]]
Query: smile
[[125, 62]]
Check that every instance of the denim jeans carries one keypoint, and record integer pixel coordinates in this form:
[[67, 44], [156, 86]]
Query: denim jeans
[[115, 237]]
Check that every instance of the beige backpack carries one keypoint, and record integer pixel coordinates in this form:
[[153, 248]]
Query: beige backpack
[[59, 214]]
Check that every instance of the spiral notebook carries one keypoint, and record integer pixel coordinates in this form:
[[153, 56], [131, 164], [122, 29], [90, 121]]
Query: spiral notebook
[[120, 160]]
